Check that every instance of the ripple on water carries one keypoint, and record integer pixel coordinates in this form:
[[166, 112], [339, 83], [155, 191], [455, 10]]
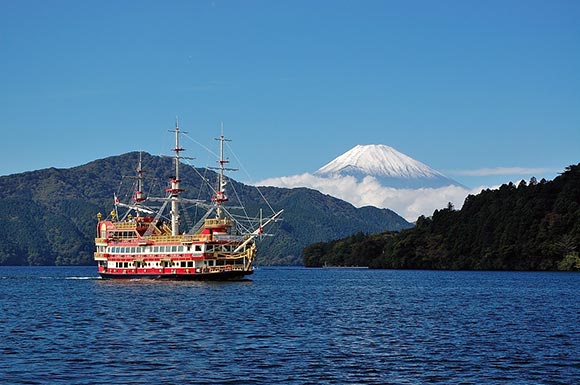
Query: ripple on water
[[291, 326]]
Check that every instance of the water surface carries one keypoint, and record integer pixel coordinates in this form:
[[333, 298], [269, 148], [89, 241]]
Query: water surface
[[291, 326]]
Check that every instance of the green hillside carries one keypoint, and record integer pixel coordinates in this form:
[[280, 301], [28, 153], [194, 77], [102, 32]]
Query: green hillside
[[49, 216], [531, 226]]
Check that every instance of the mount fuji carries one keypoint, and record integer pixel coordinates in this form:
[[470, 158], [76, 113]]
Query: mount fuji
[[380, 176], [388, 166]]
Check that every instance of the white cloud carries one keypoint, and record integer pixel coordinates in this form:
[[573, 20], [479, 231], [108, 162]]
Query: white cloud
[[408, 203]]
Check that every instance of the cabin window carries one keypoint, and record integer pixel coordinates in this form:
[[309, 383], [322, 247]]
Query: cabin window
[[189, 263], [173, 249], [123, 234], [183, 263], [198, 248], [122, 251]]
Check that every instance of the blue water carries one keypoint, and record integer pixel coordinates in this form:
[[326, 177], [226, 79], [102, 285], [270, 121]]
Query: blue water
[[290, 326]]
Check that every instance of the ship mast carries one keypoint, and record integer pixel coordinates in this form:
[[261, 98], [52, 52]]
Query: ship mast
[[139, 193], [221, 196], [175, 190]]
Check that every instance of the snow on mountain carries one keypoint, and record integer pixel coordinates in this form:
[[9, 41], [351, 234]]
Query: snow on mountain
[[378, 160], [390, 167]]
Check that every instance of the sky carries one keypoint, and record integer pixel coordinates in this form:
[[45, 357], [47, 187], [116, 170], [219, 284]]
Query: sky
[[486, 92]]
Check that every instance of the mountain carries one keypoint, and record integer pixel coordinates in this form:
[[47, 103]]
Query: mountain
[[531, 226], [389, 166], [49, 216]]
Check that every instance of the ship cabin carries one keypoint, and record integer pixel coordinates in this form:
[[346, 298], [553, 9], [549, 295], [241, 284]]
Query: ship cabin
[[139, 247]]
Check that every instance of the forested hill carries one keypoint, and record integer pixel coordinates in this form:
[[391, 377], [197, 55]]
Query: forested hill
[[531, 226], [48, 216]]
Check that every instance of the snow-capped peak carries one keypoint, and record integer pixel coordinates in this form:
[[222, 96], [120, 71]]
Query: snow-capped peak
[[378, 160]]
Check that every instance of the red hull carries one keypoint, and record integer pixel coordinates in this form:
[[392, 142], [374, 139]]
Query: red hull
[[232, 275]]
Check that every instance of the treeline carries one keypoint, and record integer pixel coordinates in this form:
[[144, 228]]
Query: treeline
[[534, 225]]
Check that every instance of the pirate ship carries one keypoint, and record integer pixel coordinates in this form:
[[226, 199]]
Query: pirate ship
[[146, 241]]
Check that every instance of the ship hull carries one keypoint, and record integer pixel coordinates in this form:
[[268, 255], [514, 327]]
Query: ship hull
[[219, 276]]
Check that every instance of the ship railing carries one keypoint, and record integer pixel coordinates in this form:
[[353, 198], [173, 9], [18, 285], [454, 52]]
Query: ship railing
[[219, 269], [227, 256], [125, 225], [229, 238], [174, 238], [218, 222]]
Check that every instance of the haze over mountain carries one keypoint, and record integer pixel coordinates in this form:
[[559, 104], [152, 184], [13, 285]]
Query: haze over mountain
[[379, 175]]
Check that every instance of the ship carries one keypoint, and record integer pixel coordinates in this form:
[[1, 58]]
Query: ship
[[141, 240]]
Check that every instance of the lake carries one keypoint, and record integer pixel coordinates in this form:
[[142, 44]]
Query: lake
[[63, 325]]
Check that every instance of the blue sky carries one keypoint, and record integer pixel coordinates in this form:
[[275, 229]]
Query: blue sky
[[484, 91]]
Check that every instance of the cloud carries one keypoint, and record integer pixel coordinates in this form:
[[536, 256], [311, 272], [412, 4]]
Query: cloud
[[504, 171], [409, 203]]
